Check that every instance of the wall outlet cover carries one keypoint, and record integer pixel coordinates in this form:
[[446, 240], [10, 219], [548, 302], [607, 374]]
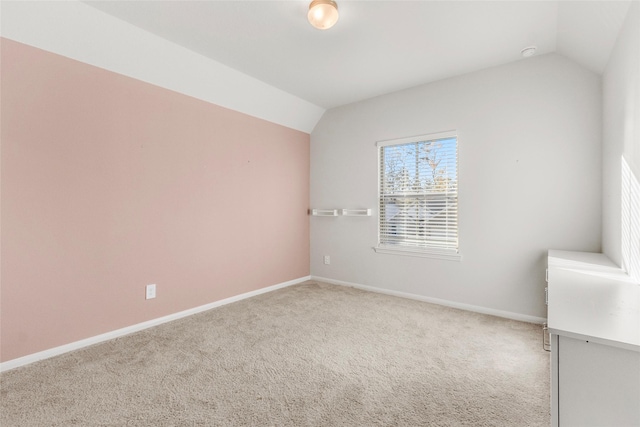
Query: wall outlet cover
[[150, 291]]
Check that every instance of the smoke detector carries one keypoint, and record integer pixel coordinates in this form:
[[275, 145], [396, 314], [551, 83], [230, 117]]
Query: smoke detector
[[528, 51]]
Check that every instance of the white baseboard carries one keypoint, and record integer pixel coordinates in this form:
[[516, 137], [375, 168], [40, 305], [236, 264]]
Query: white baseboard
[[468, 307], [25, 360]]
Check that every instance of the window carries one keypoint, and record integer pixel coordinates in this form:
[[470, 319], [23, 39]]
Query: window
[[418, 191]]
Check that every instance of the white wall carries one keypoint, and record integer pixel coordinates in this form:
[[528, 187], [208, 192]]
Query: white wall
[[530, 180], [621, 127]]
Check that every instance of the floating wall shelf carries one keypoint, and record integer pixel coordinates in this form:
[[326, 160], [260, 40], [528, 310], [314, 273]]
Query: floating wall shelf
[[343, 212], [356, 212], [324, 212]]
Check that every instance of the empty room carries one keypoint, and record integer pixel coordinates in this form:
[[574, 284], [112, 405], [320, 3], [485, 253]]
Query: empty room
[[320, 213]]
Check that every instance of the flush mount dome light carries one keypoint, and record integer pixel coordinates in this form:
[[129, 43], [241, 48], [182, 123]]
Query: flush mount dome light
[[323, 14], [528, 51]]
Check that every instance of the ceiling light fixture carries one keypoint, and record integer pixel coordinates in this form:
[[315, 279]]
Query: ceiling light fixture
[[528, 51], [323, 14]]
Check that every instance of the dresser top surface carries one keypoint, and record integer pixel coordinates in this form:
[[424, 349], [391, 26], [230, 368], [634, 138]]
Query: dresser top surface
[[591, 298]]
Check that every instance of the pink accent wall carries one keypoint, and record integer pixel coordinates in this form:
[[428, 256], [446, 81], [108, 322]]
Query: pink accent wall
[[109, 183]]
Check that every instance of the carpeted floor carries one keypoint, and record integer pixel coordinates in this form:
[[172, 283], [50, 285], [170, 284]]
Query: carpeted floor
[[308, 355]]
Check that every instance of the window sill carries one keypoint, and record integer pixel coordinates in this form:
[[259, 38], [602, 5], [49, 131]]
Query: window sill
[[418, 252]]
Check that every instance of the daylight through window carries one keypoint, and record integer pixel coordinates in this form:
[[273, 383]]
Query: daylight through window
[[419, 195]]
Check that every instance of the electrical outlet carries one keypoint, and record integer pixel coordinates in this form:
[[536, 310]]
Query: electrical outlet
[[327, 260], [150, 291]]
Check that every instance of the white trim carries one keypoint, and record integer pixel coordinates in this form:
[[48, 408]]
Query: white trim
[[418, 138], [84, 33], [468, 307], [418, 252], [56, 351]]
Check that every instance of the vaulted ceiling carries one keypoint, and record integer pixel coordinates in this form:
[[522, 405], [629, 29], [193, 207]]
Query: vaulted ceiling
[[376, 47]]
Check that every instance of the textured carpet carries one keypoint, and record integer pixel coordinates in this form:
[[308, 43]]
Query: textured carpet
[[307, 355]]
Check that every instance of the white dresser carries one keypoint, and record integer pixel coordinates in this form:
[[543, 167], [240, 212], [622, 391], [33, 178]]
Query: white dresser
[[594, 327]]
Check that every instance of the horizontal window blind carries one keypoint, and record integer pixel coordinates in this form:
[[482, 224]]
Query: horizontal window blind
[[419, 193]]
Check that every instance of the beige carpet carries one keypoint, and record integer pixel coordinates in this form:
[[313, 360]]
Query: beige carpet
[[307, 355]]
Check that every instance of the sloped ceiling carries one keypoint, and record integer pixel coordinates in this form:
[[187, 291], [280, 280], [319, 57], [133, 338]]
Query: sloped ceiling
[[376, 47]]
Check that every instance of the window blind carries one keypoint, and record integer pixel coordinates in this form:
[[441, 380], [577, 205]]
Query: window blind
[[419, 193]]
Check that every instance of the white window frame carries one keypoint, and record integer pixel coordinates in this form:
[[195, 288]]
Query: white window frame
[[417, 251]]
